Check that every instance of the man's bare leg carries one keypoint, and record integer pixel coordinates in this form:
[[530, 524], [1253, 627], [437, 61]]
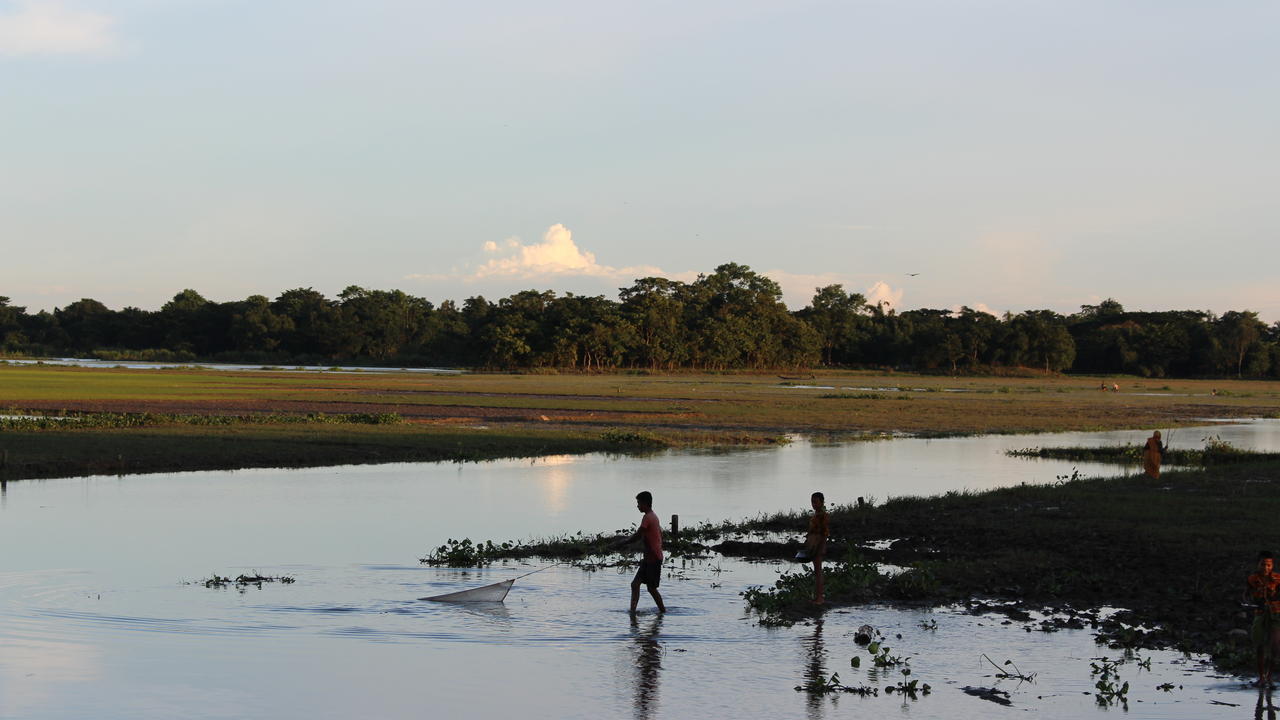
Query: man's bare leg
[[657, 599]]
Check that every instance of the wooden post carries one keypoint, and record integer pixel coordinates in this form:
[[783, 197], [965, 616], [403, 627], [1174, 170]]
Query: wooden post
[[675, 527]]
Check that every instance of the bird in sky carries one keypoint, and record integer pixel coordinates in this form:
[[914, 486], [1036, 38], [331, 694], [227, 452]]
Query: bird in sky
[[912, 274]]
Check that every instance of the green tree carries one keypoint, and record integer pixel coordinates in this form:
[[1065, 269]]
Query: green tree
[[11, 335], [311, 319], [655, 307], [1047, 340], [839, 318], [255, 327], [1239, 333], [87, 324]]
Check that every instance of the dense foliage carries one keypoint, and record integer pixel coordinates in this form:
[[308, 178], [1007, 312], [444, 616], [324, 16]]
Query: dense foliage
[[733, 318]]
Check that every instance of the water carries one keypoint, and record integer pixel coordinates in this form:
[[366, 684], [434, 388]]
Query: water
[[102, 613]]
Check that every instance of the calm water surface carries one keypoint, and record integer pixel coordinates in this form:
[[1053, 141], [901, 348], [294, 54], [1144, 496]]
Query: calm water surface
[[96, 621]]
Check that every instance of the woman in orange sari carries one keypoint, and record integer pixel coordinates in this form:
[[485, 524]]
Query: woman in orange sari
[[1152, 454]]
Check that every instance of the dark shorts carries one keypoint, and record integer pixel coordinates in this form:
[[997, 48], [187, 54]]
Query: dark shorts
[[1258, 633], [650, 573]]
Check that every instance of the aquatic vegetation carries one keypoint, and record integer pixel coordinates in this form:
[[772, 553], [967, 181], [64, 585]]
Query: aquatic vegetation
[[464, 553], [1004, 674], [852, 578], [243, 581], [824, 686], [1215, 452], [909, 688], [1109, 692], [624, 436], [881, 657], [916, 583]]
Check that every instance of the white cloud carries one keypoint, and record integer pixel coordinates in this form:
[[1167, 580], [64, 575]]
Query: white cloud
[[798, 288], [556, 256], [980, 307], [881, 292], [47, 27]]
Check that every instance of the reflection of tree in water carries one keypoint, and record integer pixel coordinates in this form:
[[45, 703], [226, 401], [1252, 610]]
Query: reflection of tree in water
[[815, 670], [648, 664]]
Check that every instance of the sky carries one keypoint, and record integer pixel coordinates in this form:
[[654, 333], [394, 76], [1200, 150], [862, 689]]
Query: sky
[[1004, 155]]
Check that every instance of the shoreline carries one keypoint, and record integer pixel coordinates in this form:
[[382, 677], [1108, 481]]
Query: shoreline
[[1170, 555], [225, 420]]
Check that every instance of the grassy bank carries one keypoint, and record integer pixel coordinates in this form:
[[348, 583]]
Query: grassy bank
[[181, 447], [1173, 551], [441, 414]]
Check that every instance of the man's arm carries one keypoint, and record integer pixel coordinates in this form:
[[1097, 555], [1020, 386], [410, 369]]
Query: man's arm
[[626, 540]]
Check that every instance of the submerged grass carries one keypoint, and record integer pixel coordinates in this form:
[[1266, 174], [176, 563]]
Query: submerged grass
[[1215, 452]]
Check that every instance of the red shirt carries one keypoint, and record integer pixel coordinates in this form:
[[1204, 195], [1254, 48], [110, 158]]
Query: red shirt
[[651, 535], [1266, 588]]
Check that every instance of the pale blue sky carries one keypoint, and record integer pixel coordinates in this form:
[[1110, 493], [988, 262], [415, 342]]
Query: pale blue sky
[[1017, 154]]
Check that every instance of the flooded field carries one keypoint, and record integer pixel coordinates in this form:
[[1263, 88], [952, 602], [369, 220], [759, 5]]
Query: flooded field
[[103, 613]]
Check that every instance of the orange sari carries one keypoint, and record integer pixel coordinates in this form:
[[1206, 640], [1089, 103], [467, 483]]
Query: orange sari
[[1152, 454]]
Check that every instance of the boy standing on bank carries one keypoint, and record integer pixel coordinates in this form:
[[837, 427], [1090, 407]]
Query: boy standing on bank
[[649, 533], [1263, 592], [815, 543]]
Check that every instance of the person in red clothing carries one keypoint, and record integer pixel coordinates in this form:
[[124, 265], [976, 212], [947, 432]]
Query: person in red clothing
[[649, 533], [1263, 592]]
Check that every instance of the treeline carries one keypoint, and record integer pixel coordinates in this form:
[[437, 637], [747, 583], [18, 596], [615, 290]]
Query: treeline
[[732, 318]]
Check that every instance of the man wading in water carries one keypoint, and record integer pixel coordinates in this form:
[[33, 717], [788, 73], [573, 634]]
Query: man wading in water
[[650, 533], [1263, 592]]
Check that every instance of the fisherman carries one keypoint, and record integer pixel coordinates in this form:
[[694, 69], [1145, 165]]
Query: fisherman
[[1263, 592], [649, 533], [1152, 455]]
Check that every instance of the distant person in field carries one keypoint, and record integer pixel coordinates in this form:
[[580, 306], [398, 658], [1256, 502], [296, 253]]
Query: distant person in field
[[1152, 455], [815, 544], [650, 534], [1262, 590]]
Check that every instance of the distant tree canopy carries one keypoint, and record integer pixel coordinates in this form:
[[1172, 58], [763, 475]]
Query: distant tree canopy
[[732, 318]]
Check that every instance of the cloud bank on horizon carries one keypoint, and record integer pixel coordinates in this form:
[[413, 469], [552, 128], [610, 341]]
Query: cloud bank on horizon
[[558, 256], [49, 27]]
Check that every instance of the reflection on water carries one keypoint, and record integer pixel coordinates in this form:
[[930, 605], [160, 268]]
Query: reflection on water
[[815, 670], [648, 663], [35, 672], [1263, 708], [94, 568]]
